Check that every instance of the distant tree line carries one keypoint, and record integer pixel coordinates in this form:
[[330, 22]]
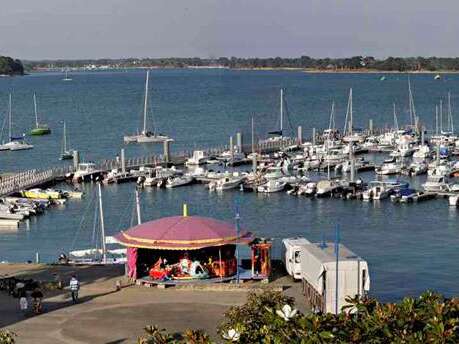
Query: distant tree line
[[355, 63], [10, 66]]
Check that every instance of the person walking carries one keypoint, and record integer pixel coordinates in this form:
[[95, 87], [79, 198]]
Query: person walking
[[37, 297], [74, 288], [23, 304]]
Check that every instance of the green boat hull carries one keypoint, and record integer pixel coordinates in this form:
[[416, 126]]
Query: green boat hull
[[40, 131]]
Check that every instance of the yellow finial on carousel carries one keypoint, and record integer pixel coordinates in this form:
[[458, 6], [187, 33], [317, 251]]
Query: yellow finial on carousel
[[185, 210]]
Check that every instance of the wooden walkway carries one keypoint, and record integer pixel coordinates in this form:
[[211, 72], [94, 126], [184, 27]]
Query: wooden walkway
[[35, 178]]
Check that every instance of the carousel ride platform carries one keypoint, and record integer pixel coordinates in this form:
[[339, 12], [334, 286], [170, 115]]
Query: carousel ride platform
[[244, 275]]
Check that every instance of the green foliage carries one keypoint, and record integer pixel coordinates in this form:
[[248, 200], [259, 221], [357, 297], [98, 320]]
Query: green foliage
[[8, 66], [154, 335], [269, 318], [7, 337], [354, 63]]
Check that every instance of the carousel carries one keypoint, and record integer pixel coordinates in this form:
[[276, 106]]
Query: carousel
[[181, 249]]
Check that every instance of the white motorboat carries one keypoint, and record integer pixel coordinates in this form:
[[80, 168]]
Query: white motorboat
[[377, 190], [389, 167], [274, 172], [271, 186], [454, 200], [422, 152], [174, 182], [327, 187], [199, 158], [311, 189], [146, 136], [86, 170], [154, 175], [418, 167], [439, 168], [436, 183], [230, 182], [228, 156], [405, 146]]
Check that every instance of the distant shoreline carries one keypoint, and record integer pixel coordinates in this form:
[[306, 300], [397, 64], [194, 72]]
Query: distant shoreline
[[349, 71], [308, 71]]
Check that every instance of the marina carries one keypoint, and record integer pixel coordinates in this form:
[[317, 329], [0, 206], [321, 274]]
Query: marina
[[318, 163]]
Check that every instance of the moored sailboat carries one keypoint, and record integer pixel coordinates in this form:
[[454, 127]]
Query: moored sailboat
[[66, 153], [40, 128], [146, 136], [15, 143]]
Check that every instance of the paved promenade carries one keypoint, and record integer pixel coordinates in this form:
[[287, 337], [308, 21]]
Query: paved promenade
[[107, 316]]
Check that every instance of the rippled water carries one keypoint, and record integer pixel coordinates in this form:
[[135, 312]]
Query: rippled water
[[409, 247]]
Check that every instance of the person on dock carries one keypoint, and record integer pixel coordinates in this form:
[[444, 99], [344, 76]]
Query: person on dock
[[74, 288]]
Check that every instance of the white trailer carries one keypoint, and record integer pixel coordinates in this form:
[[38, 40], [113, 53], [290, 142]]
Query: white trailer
[[320, 270], [291, 252]]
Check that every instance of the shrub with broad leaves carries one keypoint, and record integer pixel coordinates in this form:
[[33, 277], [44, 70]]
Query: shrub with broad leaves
[[7, 337], [271, 317]]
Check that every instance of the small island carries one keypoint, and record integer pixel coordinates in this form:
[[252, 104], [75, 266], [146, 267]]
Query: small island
[[10, 66]]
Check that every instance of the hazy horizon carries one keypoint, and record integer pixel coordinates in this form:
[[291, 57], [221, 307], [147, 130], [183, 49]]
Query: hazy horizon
[[84, 29]]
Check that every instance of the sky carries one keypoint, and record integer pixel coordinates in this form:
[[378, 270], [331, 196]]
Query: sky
[[72, 29]]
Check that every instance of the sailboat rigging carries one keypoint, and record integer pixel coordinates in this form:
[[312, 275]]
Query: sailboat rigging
[[146, 136], [40, 129], [348, 131], [66, 153], [15, 143], [67, 78], [99, 254]]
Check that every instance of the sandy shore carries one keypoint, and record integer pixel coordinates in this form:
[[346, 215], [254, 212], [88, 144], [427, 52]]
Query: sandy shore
[[108, 316]]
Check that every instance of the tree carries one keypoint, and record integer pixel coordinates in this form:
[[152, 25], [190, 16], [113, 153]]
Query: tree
[[9, 66]]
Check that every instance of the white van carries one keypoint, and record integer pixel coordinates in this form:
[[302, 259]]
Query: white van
[[320, 272], [291, 252]]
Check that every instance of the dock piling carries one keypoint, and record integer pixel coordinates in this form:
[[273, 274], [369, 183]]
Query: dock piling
[[300, 135], [231, 146], [239, 142], [166, 151], [123, 161], [76, 159]]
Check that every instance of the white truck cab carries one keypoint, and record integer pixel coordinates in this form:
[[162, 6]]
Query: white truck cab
[[291, 252]]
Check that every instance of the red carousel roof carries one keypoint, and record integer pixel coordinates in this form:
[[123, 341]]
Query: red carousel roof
[[182, 233]]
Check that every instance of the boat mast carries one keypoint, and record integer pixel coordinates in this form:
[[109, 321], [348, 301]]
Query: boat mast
[[450, 115], [102, 225], [395, 118], [137, 203], [410, 101], [331, 124], [282, 111], [351, 123], [253, 136], [441, 116], [65, 140], [9, 116], [145, 104], [348, 120], [35, 109], [436, 119]]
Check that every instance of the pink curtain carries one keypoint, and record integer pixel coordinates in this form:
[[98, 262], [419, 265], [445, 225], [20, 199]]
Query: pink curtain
[[132, 262]]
